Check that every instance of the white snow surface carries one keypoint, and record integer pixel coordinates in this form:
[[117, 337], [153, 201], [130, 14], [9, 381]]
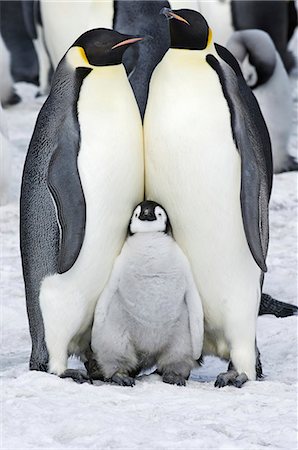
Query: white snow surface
[[42, 411]]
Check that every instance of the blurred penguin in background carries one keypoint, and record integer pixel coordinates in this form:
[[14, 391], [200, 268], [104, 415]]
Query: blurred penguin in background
[[24, 64], [277, 18], [7, 93], [264, 72], [33, 22], [5, 160]]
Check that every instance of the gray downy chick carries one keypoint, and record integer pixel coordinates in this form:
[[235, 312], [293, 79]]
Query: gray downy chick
[[150, 311]]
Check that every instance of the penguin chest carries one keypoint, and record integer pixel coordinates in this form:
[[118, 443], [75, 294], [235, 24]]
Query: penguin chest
[[193, 169], [152, 286], [110, 164]]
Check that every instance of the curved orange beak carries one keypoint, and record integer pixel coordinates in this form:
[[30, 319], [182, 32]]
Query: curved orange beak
[[127, 42], [171, 15]]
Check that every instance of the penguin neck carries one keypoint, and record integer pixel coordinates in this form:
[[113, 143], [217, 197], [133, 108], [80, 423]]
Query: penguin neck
[[189, 56]]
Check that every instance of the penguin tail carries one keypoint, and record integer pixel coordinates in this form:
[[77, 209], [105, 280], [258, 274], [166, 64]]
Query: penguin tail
[[270, 305]]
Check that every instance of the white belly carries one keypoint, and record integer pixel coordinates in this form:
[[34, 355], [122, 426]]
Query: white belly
[[65, 21], [111, 169], [193, 169]]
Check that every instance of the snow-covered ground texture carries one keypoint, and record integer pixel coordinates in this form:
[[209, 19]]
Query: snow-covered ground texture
[[43, 411]]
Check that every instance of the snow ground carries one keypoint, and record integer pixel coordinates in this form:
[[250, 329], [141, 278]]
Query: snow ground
[[41, 411]]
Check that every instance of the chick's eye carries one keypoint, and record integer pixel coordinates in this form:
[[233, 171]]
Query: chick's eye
[[136, 215], [159, 214]]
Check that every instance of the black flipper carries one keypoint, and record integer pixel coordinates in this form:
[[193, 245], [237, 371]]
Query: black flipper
[[66, 189], [270, 305], [253, 143]]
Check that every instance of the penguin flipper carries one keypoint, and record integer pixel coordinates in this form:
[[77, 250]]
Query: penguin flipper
[[252, 140], [65, 186]]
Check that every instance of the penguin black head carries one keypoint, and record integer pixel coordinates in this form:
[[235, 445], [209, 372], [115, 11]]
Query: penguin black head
[[188, 29], [103, 47], [148, 217]]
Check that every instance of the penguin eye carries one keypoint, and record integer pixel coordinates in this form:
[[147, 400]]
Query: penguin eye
[[136, 214], [159, 214]]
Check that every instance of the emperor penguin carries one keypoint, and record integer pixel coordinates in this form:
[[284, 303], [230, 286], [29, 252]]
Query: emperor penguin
[[208, 161], [150, 312], [264, 72], [83, 174]]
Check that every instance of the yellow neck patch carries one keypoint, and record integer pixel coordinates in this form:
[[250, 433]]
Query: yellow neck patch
[[76, 56], [209, 37]]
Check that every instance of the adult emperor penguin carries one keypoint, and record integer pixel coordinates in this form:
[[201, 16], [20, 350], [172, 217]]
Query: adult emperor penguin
[[264, 72], [83, 174], [150, 311], [208, 161]]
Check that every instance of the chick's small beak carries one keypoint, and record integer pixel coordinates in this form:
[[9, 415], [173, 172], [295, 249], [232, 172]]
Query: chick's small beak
[[171, 15], [127, 42]]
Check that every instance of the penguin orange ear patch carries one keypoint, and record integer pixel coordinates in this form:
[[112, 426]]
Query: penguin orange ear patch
[[76, 56], [83, 54], [209, 37]]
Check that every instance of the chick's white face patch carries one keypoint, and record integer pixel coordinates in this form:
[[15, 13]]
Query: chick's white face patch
[[148, 226]]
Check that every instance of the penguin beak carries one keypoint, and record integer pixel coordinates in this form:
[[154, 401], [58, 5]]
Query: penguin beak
[[147, 215], [127, 42], [171, 15]]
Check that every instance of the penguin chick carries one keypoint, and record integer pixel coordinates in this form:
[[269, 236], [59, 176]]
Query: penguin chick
[[150, 311]]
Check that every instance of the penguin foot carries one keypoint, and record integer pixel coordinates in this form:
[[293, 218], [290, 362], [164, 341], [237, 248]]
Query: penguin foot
[[93, 370], [123, 379], [173, 378], [39, 358], [39, 366], [76, 375], [231, 378]]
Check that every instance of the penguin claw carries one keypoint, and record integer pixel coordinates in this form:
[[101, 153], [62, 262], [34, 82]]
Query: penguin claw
[[77, 376], [122, 379], [39, 366], [173, 378], [231, 377], [240, 380]]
